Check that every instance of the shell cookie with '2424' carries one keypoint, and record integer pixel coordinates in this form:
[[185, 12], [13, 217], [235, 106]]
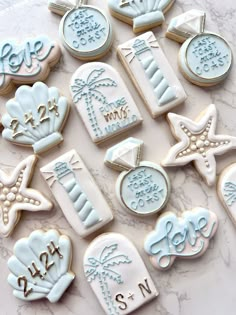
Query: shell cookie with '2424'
[[143, 187], [26, 62], [16, 196], [103, 101], [117, 274], [40, 266], [187, 236], [35, 117], [143, 15]]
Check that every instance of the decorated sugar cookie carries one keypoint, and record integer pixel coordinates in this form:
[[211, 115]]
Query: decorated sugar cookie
[[226, 190], [77, 193], [151, 74], [205, 58], [117, 274], [187, 236], [26, 62], [143, 187], [16, 196], [198, 143], [85, 30], [35, 117], [103, 101], [143, 15], [40, 267]]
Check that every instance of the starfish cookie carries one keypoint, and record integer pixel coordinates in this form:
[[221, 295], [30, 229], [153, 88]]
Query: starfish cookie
[[15, 196], [198, 143]]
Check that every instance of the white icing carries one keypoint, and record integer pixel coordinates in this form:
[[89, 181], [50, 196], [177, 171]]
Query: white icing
[[16, 196], [35, 117], [198, 143], [117, 274], [77, 194], [142, 14], [49, 253], [151, 74], [103, 101]]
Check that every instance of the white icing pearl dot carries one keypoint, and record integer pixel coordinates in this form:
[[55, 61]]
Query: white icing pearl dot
[[37, 203], [204, 154], [222, 142], [20, 179], [5, 215], [203, 138], [14, 190], [193, 147], [193, 138], [207, 143], [188, 150], [200, 144], [2, 197], [7, 203], [189, 134], [21, 175], [11, 196], [207, 129], [32, 201], [1, 185], [201, 150], [5, 191], [212, 144], [182, 126], [19, 198], [185, 152], [18, 184], [26, 200], [226, 142], [216, 144], [181, 154], [205, 133], [5, 209]]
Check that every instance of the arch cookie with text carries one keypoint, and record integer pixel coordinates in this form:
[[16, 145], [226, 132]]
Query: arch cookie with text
[[185, 237], [143, 187], [16, 196], [143, 15], [26, 62], [198, 143], [226, 190], [205, 58], [35, 117], [117, 274], [151, 74], [103, 101], [40, 266], [76, 192]]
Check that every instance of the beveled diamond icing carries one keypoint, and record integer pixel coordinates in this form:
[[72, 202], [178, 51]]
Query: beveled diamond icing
[[125, 155]]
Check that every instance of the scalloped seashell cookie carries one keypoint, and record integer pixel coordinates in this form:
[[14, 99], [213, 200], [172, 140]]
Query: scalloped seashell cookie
[[143, 15], [40, 267], [35, 117]]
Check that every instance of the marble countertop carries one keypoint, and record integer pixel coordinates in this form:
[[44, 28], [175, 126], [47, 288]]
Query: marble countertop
[[201, 286]]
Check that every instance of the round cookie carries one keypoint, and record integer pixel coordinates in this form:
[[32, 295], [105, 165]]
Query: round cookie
[[205, 59]]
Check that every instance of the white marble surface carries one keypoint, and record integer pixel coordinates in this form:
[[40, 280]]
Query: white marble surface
[[202, 286]]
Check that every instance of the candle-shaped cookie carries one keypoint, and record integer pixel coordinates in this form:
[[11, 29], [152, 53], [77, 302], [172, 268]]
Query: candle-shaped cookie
[[77, 193], [143, 187], [151, 73]]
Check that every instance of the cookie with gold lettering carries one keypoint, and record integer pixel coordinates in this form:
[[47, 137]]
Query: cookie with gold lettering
[[40, 267], [35, 117], [143, 188], [117, 274]]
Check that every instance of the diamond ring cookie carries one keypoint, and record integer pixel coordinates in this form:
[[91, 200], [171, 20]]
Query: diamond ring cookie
[[35, 117], [103, 101], [198, 143], [151, 74], [143, 15], [77, 194], [187, 236], [40, 266], [26, 62], [84, 30], [117, 274], [205, 58], [16, 196], [226, 189], [143, 187]]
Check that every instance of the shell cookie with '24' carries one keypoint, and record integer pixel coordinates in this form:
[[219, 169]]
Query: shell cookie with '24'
[[187, 236], [85, 30], [35, 117], [226, 190], [143, 187], [78, 195], [143, 15], [198, 143], [16, 196], [26, 62], [117, 274], [103, 101], [40, 267]]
